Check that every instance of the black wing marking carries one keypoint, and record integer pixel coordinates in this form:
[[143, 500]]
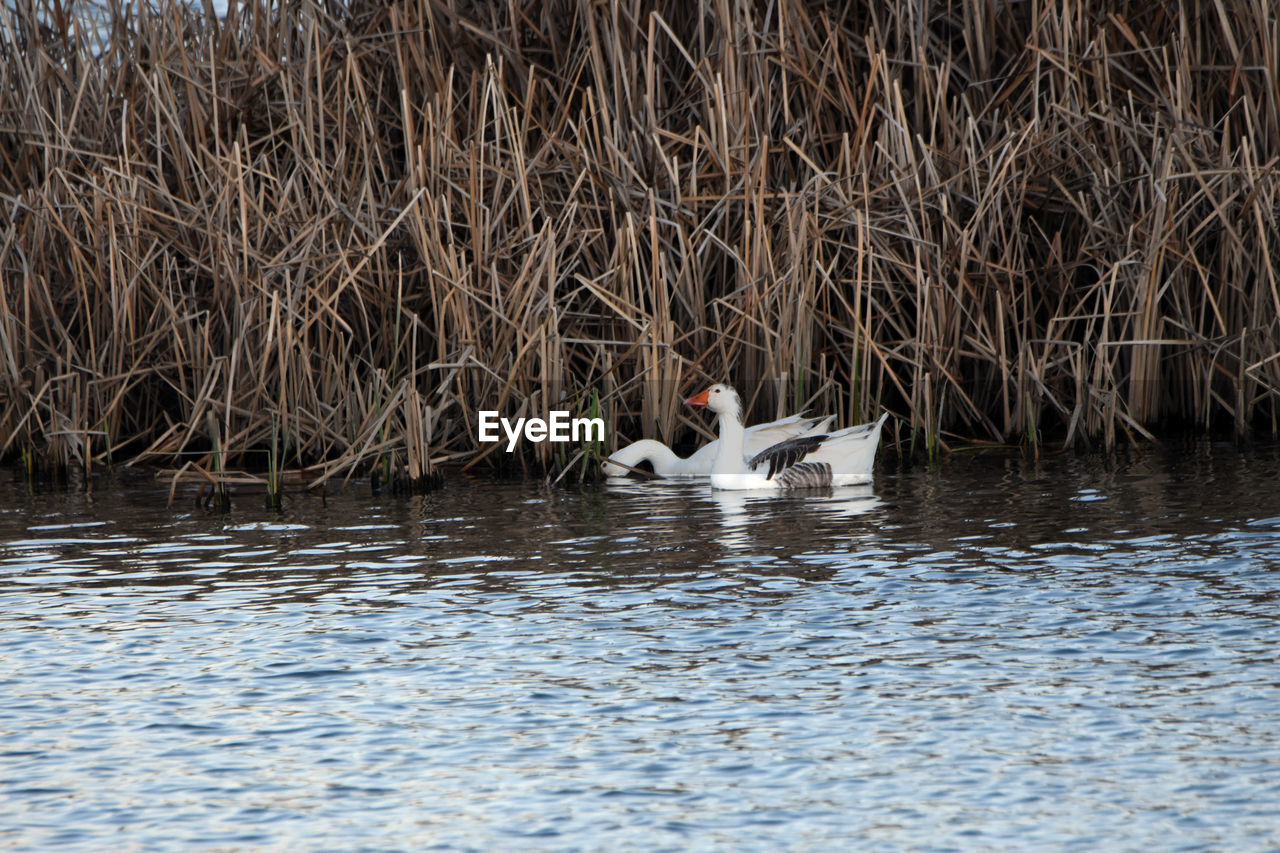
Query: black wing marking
[[807, 475], [784, 454]]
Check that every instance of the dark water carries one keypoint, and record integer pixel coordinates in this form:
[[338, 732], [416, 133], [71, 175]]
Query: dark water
[[1076, 654]]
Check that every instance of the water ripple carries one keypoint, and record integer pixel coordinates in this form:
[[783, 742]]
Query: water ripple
[[998, 654]]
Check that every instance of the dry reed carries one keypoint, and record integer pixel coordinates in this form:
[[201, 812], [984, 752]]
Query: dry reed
[[354, 227]]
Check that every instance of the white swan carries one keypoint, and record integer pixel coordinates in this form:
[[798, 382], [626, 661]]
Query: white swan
[[667, 464], [841, 458]]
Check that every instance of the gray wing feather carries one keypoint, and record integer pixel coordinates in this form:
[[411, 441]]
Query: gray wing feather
[[784, 454], [806, 475]]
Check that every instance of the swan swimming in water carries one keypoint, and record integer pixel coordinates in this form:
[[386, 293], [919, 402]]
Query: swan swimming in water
[[667, 464], [841, 458]]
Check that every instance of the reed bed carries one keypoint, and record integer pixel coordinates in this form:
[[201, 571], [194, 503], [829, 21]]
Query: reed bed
[[340, 231]]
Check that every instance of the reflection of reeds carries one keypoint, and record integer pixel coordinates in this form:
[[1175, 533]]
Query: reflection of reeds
[[353, 228]]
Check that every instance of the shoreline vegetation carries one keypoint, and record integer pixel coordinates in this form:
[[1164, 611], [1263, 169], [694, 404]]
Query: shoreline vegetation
[[321, 238]]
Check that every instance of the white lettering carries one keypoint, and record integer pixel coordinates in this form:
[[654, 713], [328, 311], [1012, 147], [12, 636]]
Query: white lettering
[[513, 433], [560, 427], [593, 427], [488, 426]]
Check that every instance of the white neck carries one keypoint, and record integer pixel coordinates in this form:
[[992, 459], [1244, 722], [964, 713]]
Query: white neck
[[732, 450], [664, 461]]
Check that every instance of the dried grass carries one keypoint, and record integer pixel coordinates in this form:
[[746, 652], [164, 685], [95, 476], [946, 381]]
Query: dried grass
[[354, 227]]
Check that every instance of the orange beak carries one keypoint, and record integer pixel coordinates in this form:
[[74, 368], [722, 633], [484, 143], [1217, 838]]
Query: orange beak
[[698, 400]]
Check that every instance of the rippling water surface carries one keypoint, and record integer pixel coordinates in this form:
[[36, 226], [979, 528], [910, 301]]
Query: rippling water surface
[[1076, 653]]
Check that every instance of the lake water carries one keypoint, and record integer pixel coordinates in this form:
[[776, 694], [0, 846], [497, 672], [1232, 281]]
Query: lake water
[[1078, 653]]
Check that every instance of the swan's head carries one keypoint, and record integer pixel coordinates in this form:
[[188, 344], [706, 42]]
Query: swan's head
[[720, 399], [612, 470], [626, 460]]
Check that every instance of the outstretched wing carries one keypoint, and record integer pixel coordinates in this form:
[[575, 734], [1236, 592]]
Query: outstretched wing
[[784, 454]]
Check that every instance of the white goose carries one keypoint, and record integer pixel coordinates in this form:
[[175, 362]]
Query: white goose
[[667, 464], [841, 458]]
